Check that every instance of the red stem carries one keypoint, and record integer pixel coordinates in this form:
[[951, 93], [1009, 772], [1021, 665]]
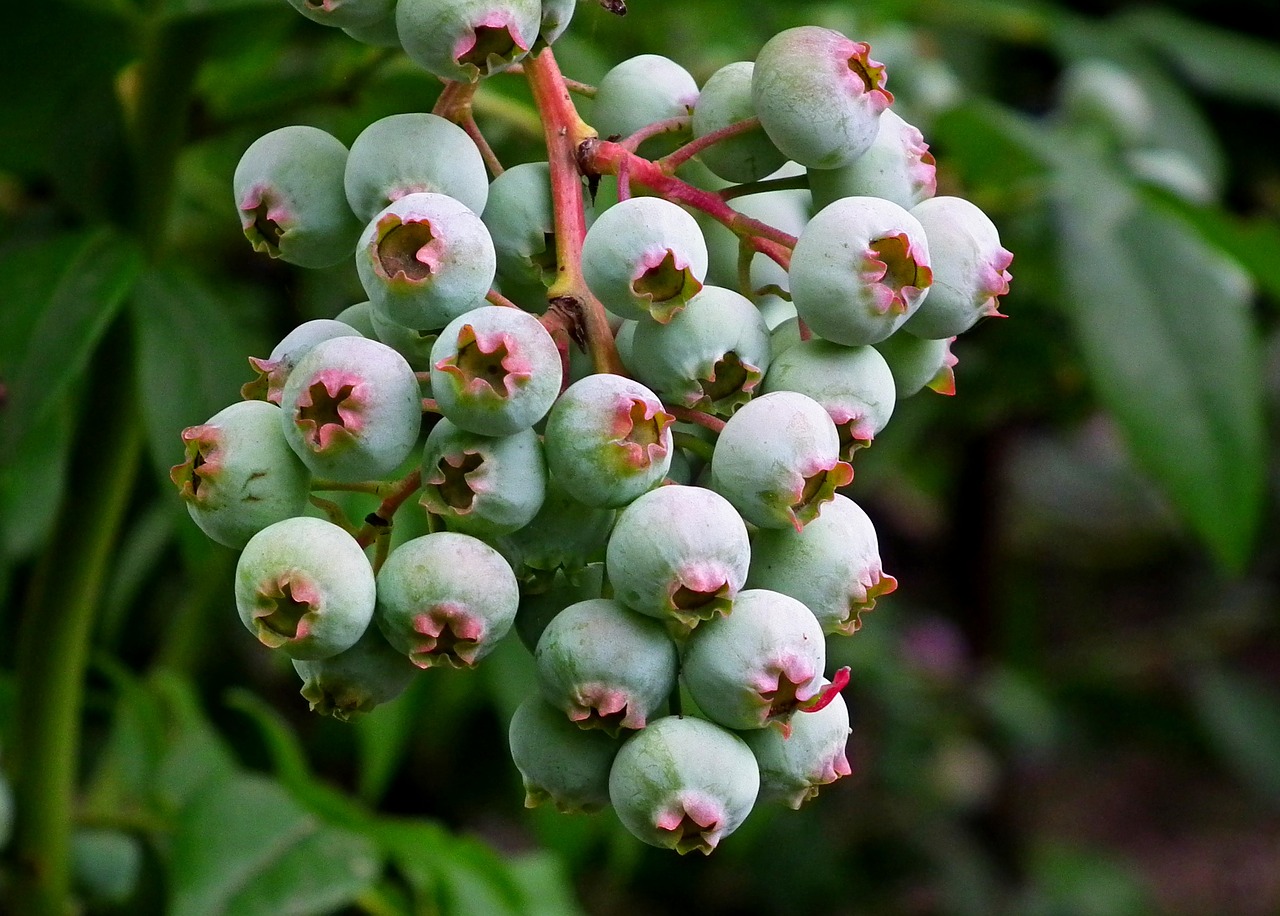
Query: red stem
[[705, 420], [677, 158], [665, 126], [565, 132], [380, 519]]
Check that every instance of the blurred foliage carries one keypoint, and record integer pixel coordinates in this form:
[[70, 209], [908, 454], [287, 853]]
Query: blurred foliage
[[1071, 706]]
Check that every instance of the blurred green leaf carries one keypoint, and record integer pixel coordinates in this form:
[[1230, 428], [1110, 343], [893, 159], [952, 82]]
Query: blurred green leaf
[[1235, 65], [1166, 328], [243, 846], [1242, 718], [94, 278], [191, 357], [1078, 882], [183, 8]]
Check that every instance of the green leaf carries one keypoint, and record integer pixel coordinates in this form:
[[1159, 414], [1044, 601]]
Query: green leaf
[[1242, 718], [93, 279], [243, 846], [1218, 60], [191, 358], [1165, 324], [181, 9]]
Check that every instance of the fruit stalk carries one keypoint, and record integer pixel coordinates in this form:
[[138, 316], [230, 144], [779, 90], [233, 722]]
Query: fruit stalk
[[565, 131]]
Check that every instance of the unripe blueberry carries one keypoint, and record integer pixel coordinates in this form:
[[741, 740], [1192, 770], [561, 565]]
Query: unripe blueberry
[[288, 189], [970, 268], [898, 167], [495, 371], [605, 666], [483, 485], [445, 599], [711, 356], [240, 475], [678, 553], [565, 533], [778, 460], [918, 363], [380, 34], [832, 566], [726, 99], [352, 409], [608, 440], [755, 666], [787, 210], [413, 153], [304, 585], [344, 13], [819, 95], [859, 270], [275, 369], [360, 317], [683, 784], [356, 680], [639, 91], [519, 217], [853, 384], [425, 259], [644, 257], [795, 766], [556, 15], [467, 39], [559, 762]]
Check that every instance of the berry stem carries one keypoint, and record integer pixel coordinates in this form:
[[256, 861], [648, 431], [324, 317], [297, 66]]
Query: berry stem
[[371, 487], [673, 160], [705, 420], [379, 520], [493, 297], [665, 126], [691, 443], [429, 405], [605, 157], [565, 132], [486, 151], [333, 512]]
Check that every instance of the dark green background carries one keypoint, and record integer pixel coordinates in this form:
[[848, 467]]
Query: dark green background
[[1070, 706]]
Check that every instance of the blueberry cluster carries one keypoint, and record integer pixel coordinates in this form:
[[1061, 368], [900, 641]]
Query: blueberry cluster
[[667, 539]]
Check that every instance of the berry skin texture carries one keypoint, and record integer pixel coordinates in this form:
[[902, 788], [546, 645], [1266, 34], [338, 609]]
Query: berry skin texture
[[288, 189], [304, 586], [819, 95], [605, 666], [240, 475], [445, 599], [644, 258], [778, 460], [724, 100], [639, 91], [917, 363], [970, 268], [898, 167], [495, 371], [853, 384], [424, 260], [755, 666], [344, 14], [683, 784], [711, 356], [413, 153], [355, 681], [352, 409], [559, 762], [565, 534], [794, 767], [467, 40], [832, 566], [859, 270], [483, 485], [678, 553], [608, 440]]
